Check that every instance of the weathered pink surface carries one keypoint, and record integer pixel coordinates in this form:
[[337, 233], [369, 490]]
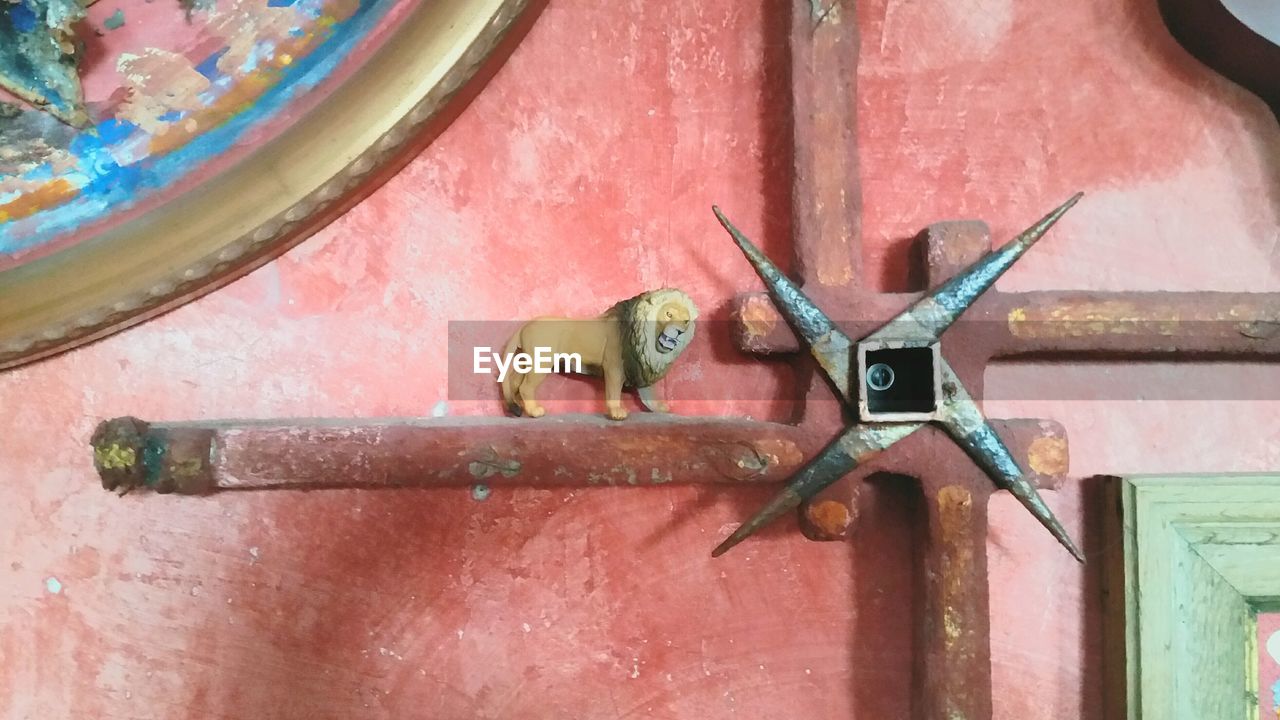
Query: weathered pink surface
[[583, 174], [1269, 665]]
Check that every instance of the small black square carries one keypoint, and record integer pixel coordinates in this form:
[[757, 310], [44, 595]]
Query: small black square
[[899, 380]]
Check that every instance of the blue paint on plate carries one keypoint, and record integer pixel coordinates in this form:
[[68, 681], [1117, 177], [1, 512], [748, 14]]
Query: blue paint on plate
[[110, 181], [22, 17], [209, 66]]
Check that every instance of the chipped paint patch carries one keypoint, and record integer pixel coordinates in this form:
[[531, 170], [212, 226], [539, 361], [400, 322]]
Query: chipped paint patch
[[489, 464], [114, 457], [831, 518], [1120, 317], [178, 111], [758, 317], [776, 453], [53, 585], [617, 475], [161, 85], [1107, 317], [1048, 455], [955, 513]]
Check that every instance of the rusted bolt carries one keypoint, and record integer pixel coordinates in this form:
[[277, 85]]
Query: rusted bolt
[[129, 453], [827, 520]]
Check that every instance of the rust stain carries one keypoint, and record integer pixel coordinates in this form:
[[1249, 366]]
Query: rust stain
[[835, 270], [955, 504], [1110, 317], [758, 317], [780, 452], [955, 514], [956, 245], [1048, 455], [831, 518], [1122, 317]]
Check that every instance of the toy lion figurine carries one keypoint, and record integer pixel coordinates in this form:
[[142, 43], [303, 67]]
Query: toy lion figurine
[[633, 345]]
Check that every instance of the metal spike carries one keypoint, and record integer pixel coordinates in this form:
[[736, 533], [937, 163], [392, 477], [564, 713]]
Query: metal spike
[[932, 314], [828, 344], [825, 468], [923, 321], [855, 445], [964, 422]]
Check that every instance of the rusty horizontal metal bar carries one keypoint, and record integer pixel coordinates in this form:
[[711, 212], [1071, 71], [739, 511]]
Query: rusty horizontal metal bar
[[1135, 323], [1132, 324], [569, 450]]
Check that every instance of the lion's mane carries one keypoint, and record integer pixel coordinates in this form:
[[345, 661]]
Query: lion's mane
[[638, 323]]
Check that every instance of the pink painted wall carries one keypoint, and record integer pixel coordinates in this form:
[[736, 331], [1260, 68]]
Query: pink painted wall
[[584, 174], [1269, 665]]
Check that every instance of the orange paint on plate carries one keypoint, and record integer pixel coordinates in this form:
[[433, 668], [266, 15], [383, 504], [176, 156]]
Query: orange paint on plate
[[48, 195]]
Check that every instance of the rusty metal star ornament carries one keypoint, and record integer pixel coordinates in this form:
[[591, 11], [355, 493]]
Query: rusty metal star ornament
[[895, 380]]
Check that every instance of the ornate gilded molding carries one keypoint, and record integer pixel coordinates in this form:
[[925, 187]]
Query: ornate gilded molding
[[232, 259]]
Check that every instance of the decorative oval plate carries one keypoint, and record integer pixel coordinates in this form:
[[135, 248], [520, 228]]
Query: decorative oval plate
[[219, 134]]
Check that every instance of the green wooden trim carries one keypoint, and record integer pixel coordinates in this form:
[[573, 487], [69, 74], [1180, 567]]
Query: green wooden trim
[[1200, 556]]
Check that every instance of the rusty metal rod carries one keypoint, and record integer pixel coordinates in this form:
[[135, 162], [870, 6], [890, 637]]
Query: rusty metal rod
[[1129, 324], [564, 450], [568, 450], [826, 203]]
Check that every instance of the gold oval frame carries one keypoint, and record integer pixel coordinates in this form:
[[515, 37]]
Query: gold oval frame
[[355, 140]]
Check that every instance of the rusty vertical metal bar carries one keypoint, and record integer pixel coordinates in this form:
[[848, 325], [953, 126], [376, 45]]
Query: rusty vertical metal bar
[[954, 648], [826, 199]]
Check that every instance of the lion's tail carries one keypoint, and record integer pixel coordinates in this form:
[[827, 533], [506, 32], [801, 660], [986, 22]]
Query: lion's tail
[[511, 382]]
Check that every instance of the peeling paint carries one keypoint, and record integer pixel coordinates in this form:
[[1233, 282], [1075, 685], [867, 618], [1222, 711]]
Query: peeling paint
[[178, 109], [1048, 455], [115, 457], [160, 84], [955, 517], [490, 464], [758, 316], [1116, 317]]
